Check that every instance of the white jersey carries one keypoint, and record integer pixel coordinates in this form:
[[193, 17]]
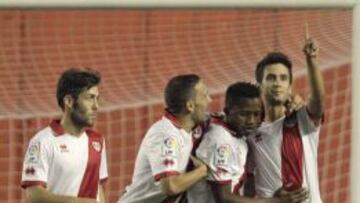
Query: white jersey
[[65, 164], [164, 151], [267, 154], [225, 154]]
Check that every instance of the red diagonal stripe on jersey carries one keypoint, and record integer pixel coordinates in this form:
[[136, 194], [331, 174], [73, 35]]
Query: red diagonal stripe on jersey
[[292, 158], [90, 182]]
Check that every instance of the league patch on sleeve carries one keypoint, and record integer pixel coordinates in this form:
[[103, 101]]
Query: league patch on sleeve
[[222, 155], [33, 154], [170, 147]]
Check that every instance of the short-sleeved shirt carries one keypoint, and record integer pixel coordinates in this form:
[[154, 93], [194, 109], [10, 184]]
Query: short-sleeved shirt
[[268, 154], [225, 154], [164, 151], [65, 164]]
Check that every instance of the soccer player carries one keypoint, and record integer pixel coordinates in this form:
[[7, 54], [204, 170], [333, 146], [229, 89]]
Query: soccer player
[[66, 161], [224, 149], [160, 168], [285, 150]]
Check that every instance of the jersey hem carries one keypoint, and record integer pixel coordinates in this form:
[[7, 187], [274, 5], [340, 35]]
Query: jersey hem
[[26, 184]]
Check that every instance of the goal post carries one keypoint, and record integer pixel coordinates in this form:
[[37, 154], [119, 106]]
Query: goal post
[[180, 3], [355, 105]]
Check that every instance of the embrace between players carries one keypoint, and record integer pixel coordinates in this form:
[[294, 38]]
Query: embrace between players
[[262, 150]]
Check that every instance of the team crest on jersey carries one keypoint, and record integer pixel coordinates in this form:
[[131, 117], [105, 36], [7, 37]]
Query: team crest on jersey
[[96, 146], [170, 147], [222, 155], [33, 155], [197, 132]]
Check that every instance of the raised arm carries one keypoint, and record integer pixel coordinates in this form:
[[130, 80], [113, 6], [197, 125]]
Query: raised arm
[[316, 102]]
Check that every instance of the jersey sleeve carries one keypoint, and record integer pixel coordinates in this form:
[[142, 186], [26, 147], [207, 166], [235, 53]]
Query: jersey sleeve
[[103, 164], [164, 154], [306, 122], [218, 156], [36, 164]]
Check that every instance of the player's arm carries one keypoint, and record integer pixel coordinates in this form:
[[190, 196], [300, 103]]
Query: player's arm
[[101, 194], [173, 185], [34, 176], [316, 100], [227, 196], [38, 194]]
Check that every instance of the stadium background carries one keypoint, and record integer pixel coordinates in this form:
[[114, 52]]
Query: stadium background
[[137, 51]]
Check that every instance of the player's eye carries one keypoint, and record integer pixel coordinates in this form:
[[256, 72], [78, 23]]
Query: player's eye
[[284, 77], [270, 77]]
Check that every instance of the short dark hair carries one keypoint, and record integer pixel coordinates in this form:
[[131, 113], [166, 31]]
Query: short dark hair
[[73, 81], [178, 91], [272, 58], [240, 90]]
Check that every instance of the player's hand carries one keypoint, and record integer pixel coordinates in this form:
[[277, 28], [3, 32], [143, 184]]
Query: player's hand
[[296, 196], [199, 164], [294, 103], [311, 47]]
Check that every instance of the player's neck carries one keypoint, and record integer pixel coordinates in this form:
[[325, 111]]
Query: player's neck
[[186, 123], [69, 126], [273, 112]]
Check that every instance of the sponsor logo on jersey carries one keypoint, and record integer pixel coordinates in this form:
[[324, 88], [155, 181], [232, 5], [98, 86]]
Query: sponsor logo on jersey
[[30, 170], [64, 148], [169, 162]]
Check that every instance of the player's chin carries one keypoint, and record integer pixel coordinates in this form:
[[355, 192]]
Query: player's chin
[[90, 122], [249, 131], [278, 100]]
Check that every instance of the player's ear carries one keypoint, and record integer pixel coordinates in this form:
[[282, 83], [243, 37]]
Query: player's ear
[[68, 101], [190, 106]]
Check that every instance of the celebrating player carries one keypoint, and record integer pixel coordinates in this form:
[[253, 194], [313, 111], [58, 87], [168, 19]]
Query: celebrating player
[[159, 174], [224, 149], [66, 161], [285, 150]]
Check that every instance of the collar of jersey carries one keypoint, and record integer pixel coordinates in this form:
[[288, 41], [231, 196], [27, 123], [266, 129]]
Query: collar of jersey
[[267, 123], [172, 118], [56, 127], [59, 130]]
